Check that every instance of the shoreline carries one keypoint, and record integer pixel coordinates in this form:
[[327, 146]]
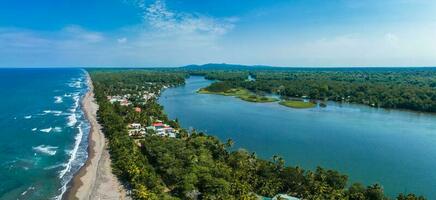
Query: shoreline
[[95, 179]]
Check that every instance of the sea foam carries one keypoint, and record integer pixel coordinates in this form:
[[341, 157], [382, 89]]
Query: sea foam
[[45, 149], [73, 156], [73, 152], [46, 130], [77, 155], [54, 112], [58, 99], [57, 129], [31, 188], [72, 120], [54, 166], [76, 83]]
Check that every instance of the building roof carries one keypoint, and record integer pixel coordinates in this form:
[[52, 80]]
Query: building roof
[[284, 197], [158, 124]]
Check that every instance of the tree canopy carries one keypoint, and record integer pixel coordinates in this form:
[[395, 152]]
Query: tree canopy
[[199, 166]]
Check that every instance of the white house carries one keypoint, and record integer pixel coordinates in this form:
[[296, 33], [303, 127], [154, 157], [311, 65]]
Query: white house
[[284, 197], [135, 126]]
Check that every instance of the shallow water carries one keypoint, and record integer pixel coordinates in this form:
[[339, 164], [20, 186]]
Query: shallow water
[[43, 131], [392, 147]]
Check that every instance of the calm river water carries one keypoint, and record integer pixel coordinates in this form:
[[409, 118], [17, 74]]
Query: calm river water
[[391, 147]]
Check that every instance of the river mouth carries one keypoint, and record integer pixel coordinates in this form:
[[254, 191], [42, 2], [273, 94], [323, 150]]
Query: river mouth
[[394, 148]]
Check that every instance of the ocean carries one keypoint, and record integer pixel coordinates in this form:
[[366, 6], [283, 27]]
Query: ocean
[[43, 137]]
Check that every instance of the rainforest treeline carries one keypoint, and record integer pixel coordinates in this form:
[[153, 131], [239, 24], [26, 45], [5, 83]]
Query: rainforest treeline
[[198, 166], [413, 89]]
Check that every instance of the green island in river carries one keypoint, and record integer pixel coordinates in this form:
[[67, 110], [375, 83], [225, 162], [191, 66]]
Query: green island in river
[[222, 88], [246, 95], [297, 104]]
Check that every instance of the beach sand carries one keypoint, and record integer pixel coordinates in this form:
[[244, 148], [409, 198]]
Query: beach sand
[[95, 179]]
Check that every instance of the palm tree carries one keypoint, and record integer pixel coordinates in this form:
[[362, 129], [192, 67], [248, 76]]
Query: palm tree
[[229, 143], [281, 90]]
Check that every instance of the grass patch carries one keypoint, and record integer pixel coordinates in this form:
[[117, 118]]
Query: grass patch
[[241, 93], [297, 104]]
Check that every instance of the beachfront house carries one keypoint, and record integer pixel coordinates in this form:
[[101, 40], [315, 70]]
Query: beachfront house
[[134, 126], [284, 197], [122, 100], [136, 130], [125, 102], [279, 197], [147, 96], [158, 128], [162, 129]]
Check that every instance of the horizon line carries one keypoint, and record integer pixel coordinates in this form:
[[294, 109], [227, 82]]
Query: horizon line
[[200, 65]]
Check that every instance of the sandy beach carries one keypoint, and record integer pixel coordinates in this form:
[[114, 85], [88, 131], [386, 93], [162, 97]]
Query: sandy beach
[[95, 179]]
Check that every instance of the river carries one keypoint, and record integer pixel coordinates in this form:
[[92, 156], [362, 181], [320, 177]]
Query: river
[[392, 147]]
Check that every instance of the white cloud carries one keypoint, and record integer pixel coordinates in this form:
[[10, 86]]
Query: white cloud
[[76, 46], [77, 32], [122, 40], [70, 46], [172, 38], [14, 38], [165, 38], [161, 18], [409, 47]]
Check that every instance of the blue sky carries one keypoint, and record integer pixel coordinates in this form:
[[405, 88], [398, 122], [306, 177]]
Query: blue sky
[[163, 33]]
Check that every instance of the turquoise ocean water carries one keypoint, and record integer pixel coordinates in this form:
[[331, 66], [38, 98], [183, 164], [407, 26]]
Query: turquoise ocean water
[[43, 132]]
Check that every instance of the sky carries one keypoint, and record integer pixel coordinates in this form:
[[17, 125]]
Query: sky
[[169, 33]]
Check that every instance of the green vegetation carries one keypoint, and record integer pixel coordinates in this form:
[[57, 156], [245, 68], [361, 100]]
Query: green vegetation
[[404, 88], [297, 104], [244, 94], [195, 165], [229, 76]]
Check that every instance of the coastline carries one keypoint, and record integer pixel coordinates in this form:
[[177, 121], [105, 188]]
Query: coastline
[[95, 179]]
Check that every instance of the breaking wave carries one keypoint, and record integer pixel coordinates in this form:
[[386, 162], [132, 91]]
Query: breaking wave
[[54, 166], [57, 129], [46, 130], [54, 112], [78, 154], [76, 83], [72, 120], [58, 99], [29, 189], [46, 149], [73, 152]]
